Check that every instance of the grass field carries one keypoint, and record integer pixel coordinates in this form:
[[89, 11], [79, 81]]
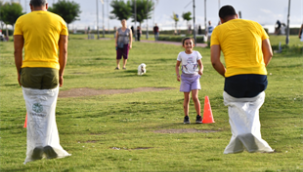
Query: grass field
[[133, 131]]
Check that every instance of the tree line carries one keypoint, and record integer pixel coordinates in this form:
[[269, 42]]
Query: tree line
[[11, 11], [138, 10]]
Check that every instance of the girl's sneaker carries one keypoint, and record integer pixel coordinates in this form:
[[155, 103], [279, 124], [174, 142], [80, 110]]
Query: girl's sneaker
[[186, 120], [199, 119]]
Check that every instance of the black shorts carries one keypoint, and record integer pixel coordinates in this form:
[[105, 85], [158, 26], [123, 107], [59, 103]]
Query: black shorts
[[249, 85], [39, 78]]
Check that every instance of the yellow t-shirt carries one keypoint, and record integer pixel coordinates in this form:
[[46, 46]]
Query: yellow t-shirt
[[241, 43], [41, 31]]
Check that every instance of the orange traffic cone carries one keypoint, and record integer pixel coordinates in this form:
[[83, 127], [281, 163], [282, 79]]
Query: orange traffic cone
[[207, 114], [25, 122]]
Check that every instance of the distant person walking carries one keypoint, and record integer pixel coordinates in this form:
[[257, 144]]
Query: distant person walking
[[156, 32], [278, 27], [245, 77], [42, 34], [123, 41], [133, 31], [209, 31], [139, 32], [301, 33]]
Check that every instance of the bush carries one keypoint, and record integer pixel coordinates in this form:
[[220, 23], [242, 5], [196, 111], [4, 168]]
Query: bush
[[295, 49], [179, 39]]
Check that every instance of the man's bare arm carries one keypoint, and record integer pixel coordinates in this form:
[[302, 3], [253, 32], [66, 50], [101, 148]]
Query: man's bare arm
[[18, 46], [63, 42], [267, 51], [215, 59]]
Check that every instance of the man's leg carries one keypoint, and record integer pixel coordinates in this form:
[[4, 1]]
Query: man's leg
[[245, 124], [42, 132], [244, 96]]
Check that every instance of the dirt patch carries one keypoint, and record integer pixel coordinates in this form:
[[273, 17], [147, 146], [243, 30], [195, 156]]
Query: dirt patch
[[187, 130], [80, 92], [138, 148]]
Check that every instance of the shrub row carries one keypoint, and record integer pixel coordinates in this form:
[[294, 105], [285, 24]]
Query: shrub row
[[296, 49], [179, 38]]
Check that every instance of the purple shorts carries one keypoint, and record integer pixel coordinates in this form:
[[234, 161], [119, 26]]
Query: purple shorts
[[190, 82], [123, 52]]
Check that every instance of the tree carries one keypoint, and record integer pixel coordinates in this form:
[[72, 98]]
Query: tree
[[121, 10], [175, 17], [9, 13], [143, 10], [186, 16], [1, 15], [68, 10]]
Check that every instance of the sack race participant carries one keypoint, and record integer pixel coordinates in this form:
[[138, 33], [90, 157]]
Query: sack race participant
[[40, 73], [247, 52], [42, 132], [245, 124]]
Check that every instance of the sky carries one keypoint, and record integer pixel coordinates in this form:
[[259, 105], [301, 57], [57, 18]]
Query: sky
[[265, 12]]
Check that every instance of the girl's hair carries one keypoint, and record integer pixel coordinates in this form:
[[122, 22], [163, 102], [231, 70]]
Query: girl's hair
[[187, 38]]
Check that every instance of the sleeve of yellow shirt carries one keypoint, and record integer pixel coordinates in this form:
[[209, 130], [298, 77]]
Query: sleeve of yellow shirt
[[214, 37], [18, 30], [64, 30]]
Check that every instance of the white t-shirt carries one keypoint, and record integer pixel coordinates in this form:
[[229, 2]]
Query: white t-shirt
[[189, 63]]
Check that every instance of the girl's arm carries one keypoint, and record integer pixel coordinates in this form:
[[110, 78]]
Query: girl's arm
[[177, 70], [201, 67]]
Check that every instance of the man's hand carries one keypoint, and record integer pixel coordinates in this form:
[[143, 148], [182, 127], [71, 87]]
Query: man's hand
[[63, 42], [18, 46], [19, 79], [61, 81], [267, 51]]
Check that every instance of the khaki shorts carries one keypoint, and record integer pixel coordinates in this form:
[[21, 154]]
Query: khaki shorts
[[39, 78]]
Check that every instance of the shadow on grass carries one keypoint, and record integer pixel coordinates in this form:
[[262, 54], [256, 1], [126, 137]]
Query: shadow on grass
[[11, 85]]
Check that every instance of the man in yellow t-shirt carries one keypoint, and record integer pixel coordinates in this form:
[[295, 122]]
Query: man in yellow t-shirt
[[43, 35], [247, 52]]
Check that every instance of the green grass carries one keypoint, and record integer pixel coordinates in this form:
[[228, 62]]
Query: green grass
[[90, 126]]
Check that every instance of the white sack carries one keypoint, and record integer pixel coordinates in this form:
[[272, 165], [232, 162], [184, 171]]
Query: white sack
[[41, 121], [245, 124]]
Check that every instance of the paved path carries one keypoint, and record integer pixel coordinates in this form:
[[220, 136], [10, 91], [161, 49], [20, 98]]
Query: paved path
[[173, 43]]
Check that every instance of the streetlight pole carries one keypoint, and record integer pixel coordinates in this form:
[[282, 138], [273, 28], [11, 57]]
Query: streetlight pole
[[97, 19], [135, 20], [108, 28], [205, 22], [147, 20], [287, 32], [103, 19], [194, 22]]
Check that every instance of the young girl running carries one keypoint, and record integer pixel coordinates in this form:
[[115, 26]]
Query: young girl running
[[190, 76]]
